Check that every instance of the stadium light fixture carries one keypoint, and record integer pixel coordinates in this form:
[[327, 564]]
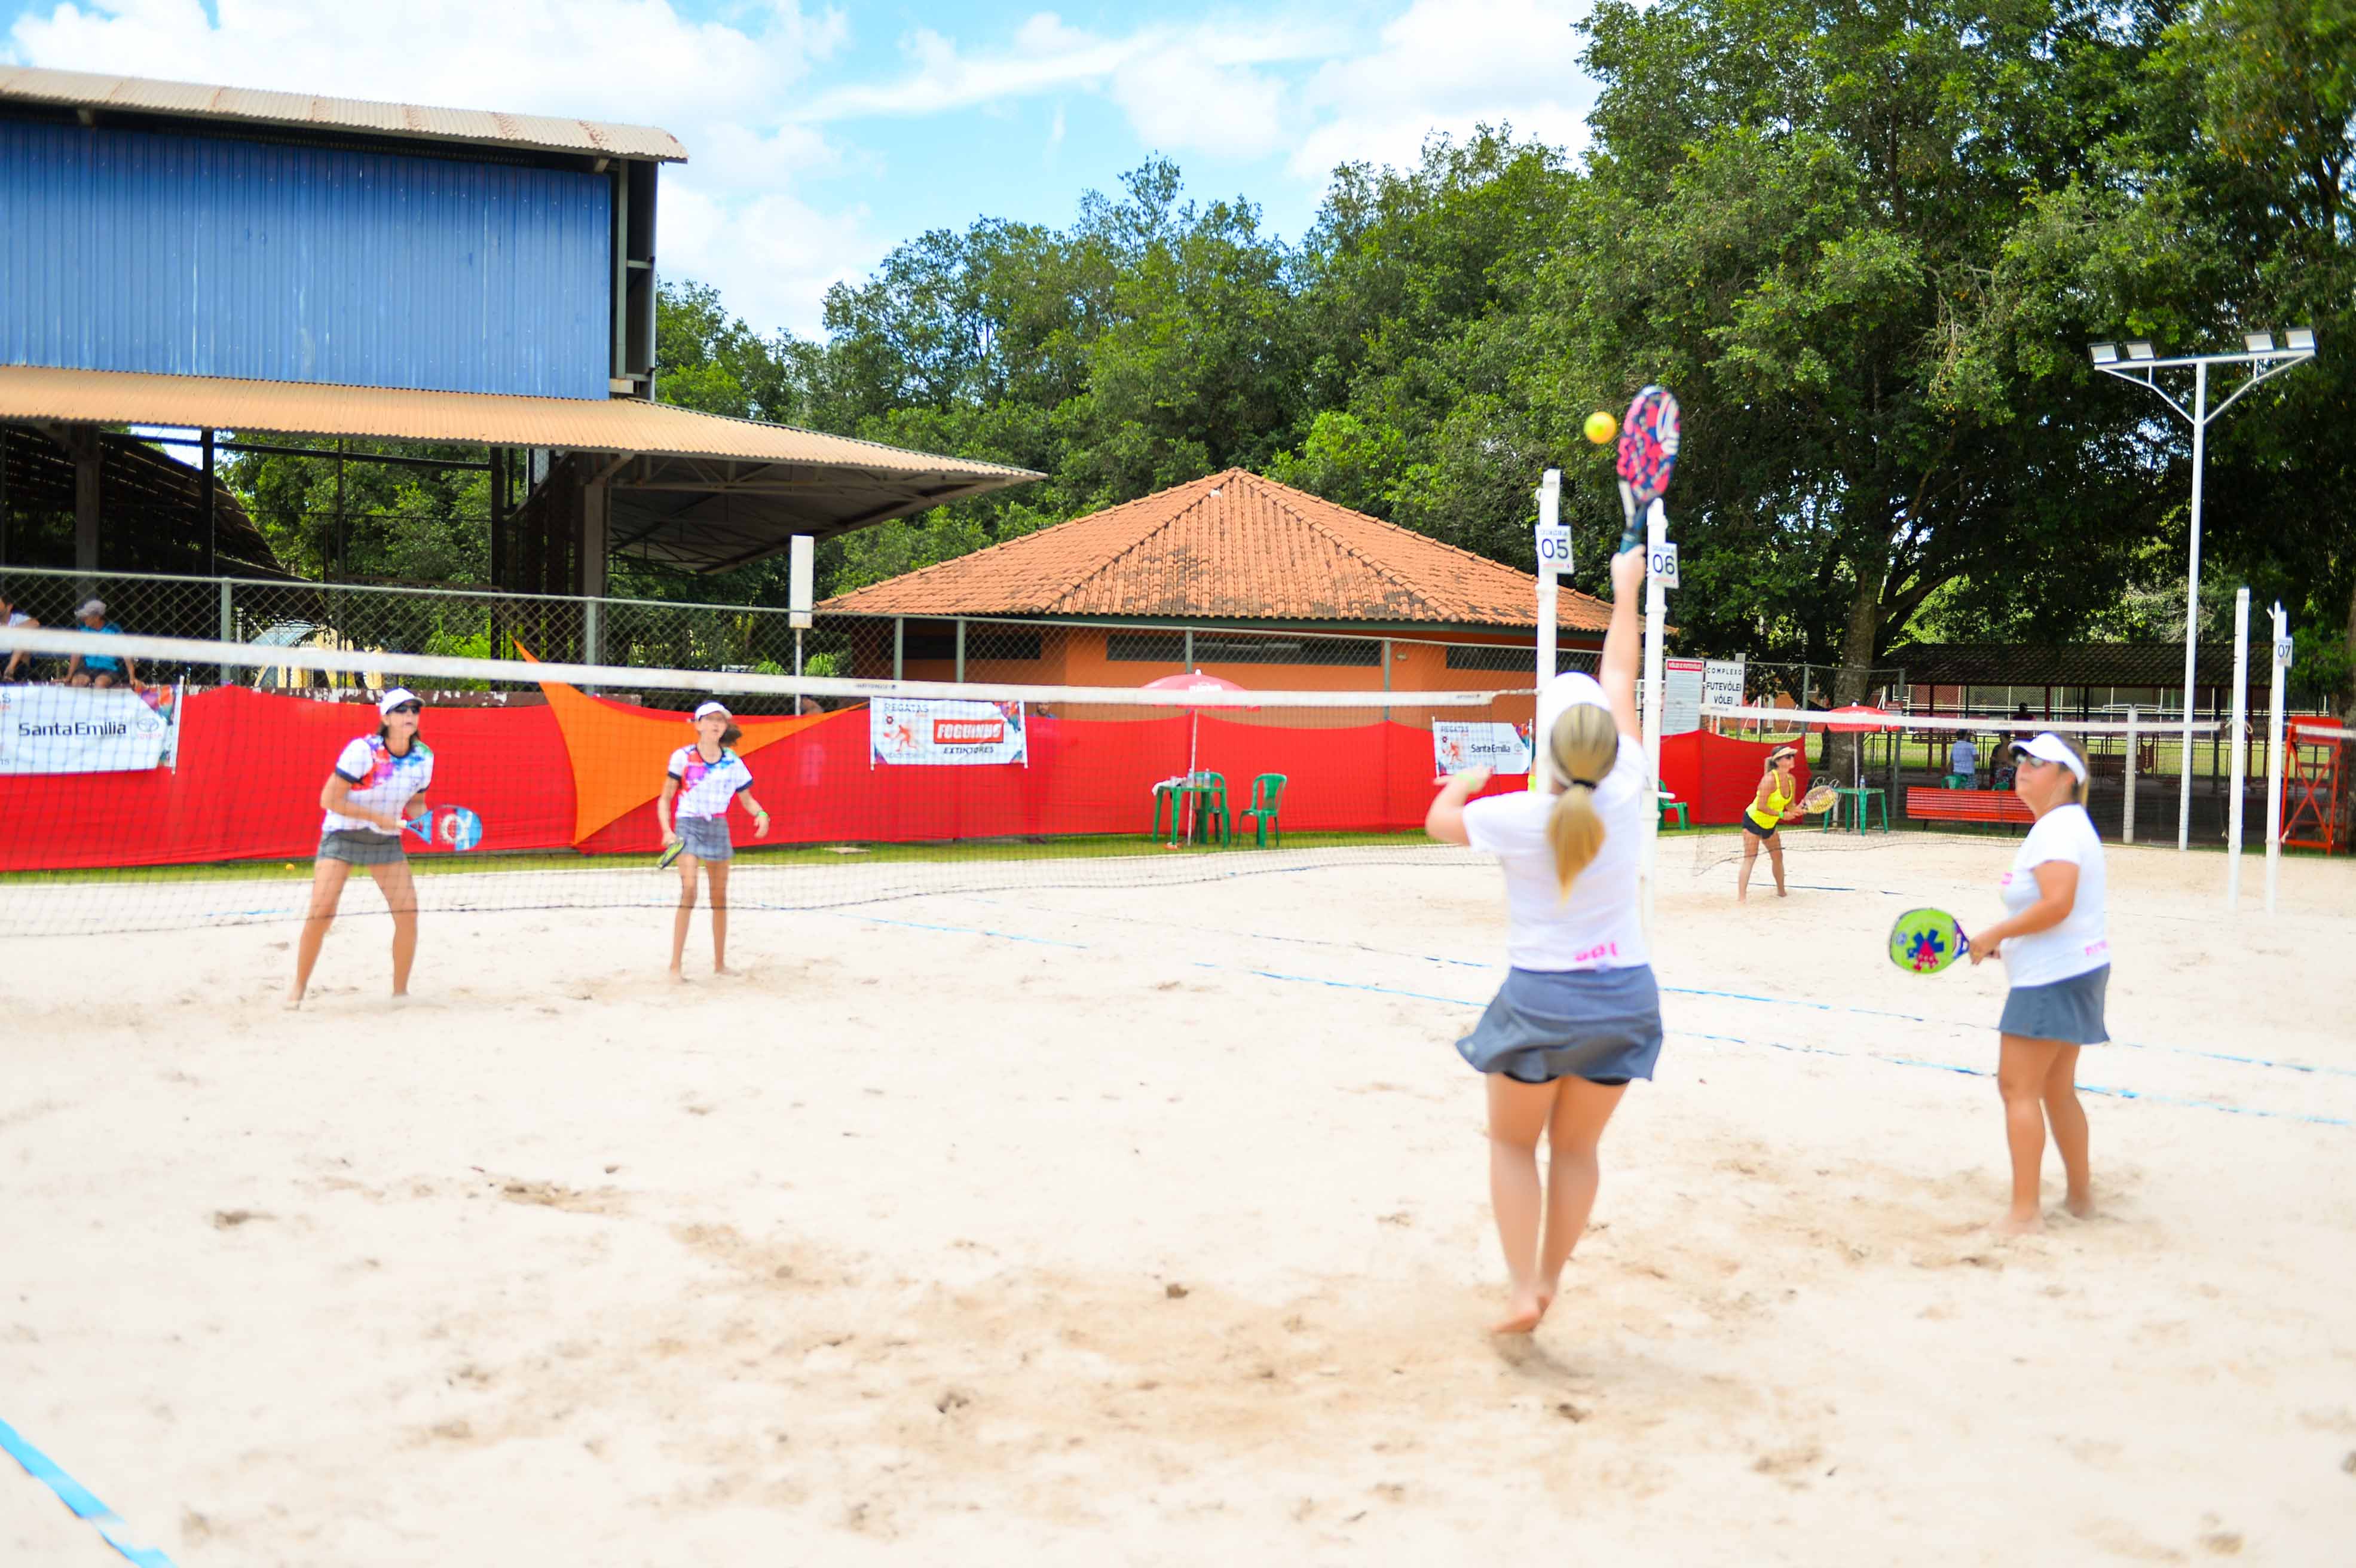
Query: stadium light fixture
[[2263, 361]]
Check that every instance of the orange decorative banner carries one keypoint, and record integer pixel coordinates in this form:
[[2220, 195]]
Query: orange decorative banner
[[619, 752]]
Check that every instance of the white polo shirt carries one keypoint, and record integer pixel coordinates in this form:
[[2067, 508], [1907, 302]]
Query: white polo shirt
[[380, 780], [1600, 925], [2081, 942]]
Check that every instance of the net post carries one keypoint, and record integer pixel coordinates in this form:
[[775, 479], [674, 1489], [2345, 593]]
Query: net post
[[228, 626], [2126, 833], [2241, 748], [899, 647], [2281, 623], [1549, 587], [961, 648], [1657, 607]]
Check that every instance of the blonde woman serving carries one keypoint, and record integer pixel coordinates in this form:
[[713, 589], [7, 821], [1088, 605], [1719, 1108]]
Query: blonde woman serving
[[2056, 946], [1774, 803], [1579, 1014]]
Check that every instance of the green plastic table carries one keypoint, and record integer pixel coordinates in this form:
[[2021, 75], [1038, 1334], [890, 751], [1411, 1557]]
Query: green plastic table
[[1209, 794], [1860, 797]]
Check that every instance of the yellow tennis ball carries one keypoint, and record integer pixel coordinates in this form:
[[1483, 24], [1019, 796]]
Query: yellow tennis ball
[[1601, 427]]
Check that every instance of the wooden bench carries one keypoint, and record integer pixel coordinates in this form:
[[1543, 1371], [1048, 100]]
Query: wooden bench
[[1925, 803]]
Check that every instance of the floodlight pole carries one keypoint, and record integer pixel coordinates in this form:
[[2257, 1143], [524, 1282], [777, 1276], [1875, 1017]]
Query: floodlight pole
[[2141, 368]]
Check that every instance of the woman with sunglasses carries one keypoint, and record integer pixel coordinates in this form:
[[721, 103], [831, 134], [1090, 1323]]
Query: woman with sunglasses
[[1774, 804], [378, 786], [2056, 946]]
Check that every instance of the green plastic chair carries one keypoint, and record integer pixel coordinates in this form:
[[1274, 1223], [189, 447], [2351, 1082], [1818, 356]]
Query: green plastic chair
[[1961, 781], [1267, 795], [1672, 806]]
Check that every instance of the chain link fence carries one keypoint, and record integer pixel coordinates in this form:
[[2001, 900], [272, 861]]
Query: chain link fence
[[756, 639]]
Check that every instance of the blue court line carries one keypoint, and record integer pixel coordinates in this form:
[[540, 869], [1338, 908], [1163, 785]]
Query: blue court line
[[1701, 991], [959, 930], [76, 1496], [1811, 1049]]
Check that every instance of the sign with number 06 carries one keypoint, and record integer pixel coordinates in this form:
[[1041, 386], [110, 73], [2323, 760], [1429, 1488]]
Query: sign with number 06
[[1664, 564], [1554, 547]]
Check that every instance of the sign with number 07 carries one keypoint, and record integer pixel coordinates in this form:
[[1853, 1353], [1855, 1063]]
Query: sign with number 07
[[1664, 564]]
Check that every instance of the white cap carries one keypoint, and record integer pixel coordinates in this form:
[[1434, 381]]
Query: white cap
[[2049, 747], [709, 709], [1572, 688], [394, 698], [91, 607]]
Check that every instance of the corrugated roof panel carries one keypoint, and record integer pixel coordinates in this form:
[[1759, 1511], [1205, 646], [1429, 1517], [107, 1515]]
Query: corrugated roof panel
[[618, 425], [83, 90], [207, 255]]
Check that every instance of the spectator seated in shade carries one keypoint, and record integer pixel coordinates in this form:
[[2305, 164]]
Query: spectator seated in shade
[[100, 670], [14, 619], [1964, 758]]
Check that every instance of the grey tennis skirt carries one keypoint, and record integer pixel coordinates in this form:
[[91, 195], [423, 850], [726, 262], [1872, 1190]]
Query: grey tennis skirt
[[1544, 1024], [706, 837], [2067, 1011], [359, 846]]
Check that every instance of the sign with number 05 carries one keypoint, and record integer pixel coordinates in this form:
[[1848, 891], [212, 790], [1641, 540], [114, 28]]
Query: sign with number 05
[[1554, 547], [1664, 564]]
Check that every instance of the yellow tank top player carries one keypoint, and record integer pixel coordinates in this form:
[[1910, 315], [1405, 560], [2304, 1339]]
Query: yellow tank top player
[[1768, 809]]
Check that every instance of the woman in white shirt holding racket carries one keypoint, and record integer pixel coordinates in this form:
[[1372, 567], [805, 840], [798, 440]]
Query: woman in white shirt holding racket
[[1579, 1013], [2056, 946], [700, 783], [379, 784]]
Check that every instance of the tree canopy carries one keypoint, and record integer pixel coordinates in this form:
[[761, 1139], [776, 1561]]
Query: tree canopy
[[1866, 244]]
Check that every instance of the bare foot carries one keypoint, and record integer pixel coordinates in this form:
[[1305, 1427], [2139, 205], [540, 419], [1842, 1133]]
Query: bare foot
[[722, 969], [2081, 1205], [2020, 1224], [677, 978], [1782, 894], [1522, 1316], [294, 1000]]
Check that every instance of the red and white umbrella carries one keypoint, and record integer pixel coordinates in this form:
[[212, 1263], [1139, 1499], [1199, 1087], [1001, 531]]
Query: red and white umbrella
[[1194, 680], [1859, 719]]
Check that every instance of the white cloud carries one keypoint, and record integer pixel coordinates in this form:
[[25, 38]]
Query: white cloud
[[1449, 65], [730, 216]]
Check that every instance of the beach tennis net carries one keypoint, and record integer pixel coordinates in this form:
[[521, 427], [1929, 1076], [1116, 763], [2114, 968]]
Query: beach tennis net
[[1892, 772], [198, 802]]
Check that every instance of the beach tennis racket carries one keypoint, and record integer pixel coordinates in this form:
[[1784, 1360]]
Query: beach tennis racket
[[670, 853], [1649, 437], [451, 827], [1818, 800], [1925, 940]]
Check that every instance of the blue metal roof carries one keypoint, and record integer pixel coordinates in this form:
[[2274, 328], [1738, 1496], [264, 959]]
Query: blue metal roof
[[203, 256]]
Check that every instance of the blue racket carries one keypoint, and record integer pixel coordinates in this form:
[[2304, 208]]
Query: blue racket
[[451, 827]]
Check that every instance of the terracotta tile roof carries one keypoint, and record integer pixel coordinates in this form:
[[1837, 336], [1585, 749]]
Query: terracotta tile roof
[[1233, 546]]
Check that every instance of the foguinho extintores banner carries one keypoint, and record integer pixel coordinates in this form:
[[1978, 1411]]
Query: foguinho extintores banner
[[82, 729], [945, 731]]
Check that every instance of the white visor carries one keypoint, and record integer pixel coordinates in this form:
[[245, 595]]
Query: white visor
[[394, 698], [91, 607], [709, 709], [2047, 747], [1572, 688]]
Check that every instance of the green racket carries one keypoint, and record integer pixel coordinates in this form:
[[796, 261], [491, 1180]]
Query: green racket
[[672, 852], [1925, 940]]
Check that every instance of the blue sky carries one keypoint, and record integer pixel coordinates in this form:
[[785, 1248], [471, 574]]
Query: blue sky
[[819, 137]]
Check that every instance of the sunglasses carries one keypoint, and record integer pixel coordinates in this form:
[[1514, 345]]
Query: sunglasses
[[406, 708]]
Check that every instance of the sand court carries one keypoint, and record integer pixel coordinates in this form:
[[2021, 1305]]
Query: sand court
[[1076, 1225]]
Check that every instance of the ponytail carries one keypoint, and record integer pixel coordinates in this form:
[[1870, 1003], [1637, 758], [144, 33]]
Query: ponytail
[[2079, 789], [1581, 749], [731, 735]]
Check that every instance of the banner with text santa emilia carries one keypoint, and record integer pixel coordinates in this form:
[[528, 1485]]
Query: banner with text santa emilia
[[82, 729], [1500, 748], [938, 731]]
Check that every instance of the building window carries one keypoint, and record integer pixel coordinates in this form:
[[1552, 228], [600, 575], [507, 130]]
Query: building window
[[1232, 647], [1517, 659], [980, 643]]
